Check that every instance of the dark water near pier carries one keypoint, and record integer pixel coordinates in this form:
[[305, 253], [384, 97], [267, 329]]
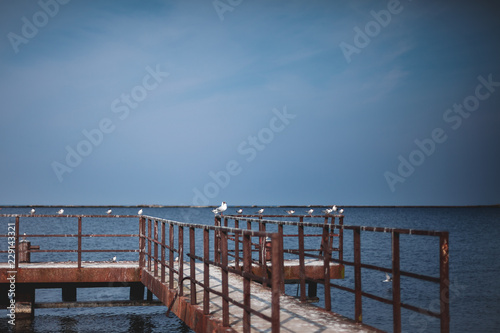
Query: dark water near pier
[[474, 268]]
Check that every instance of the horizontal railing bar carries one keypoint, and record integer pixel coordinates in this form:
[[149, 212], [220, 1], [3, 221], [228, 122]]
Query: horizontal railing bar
[[69, 215], [420, 310], [33, 251], [75, 235]]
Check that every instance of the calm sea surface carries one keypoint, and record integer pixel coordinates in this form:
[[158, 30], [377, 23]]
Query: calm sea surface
[[474, 268]]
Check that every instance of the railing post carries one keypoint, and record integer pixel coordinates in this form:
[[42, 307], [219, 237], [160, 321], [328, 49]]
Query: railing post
[[358, 308], [142, 241], [181, 260], [326, 266], [79, 242], [282, 254], [341, 239], [217, 222], [237, 245], [275, 282], [155, 224], [163, 258], [149, 244], [302, 268], [396, 285], [225, 280], [206, 271], [444, 282], [171, 256], [247, 264], [192, 266]]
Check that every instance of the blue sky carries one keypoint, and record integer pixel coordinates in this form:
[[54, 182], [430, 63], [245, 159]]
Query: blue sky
[[250, 102]]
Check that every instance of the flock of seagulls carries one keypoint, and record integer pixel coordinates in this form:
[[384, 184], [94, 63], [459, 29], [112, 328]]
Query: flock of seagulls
[[61, 211], [223, 207]]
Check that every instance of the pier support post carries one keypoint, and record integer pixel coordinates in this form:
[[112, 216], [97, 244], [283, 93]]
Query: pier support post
[[312, 291], [69, 294], [136, 291], [25, 302]]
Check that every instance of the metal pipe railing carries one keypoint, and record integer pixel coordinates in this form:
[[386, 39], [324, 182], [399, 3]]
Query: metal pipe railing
[[225, 238], [79, 235]]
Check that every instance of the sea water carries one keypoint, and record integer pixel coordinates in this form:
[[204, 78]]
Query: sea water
[[474, 268]]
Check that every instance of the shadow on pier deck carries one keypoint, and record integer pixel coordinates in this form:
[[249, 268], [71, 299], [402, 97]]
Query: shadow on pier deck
[[227, 278]]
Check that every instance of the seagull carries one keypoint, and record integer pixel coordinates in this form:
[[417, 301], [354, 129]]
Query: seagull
[[24, 238], [310, 211], [114, 259], [290, 212], [341, 211], [60, 211], [32, 211], [239, 211], [387, 278], [220, 209], [260, 211], [176, 259], [334, 208], [328, 211], [109, 211], [139, 212]]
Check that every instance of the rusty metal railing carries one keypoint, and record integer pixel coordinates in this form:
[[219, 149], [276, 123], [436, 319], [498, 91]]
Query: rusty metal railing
[[157, 238], [326, 247], [16, 234], [325, 232]]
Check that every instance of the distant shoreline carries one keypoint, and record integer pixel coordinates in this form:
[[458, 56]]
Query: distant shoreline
[[243, 206]]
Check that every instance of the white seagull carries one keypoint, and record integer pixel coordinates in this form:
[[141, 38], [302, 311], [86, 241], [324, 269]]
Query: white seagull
[[387, 278], [139, 212], [114, 259], [60, 211], [239, 211], [341, 211], [310, 211], [290, 212], [109, 211], [334, 208], [260, 211], [220, 209], [32, 211], [328, 211]]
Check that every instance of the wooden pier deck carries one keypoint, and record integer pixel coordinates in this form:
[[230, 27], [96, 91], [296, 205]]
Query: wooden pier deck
[[295, 316]]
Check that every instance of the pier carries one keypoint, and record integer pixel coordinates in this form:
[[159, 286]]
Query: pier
[[225, 277]]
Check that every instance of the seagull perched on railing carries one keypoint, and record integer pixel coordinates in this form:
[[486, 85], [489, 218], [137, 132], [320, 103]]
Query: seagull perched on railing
[[341, 211], [32, 211], [260, 211], [108, 212], [220, 209], [114, 259], [310, 211], [290, 212], [328, 211], [239, 211], [139, 212], [334, 208], [60, 211], [387, 278]]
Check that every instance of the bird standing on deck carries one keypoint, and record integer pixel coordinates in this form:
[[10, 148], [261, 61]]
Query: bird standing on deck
[[139, 212], [108, 212], [220, 209], [60, 211]]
